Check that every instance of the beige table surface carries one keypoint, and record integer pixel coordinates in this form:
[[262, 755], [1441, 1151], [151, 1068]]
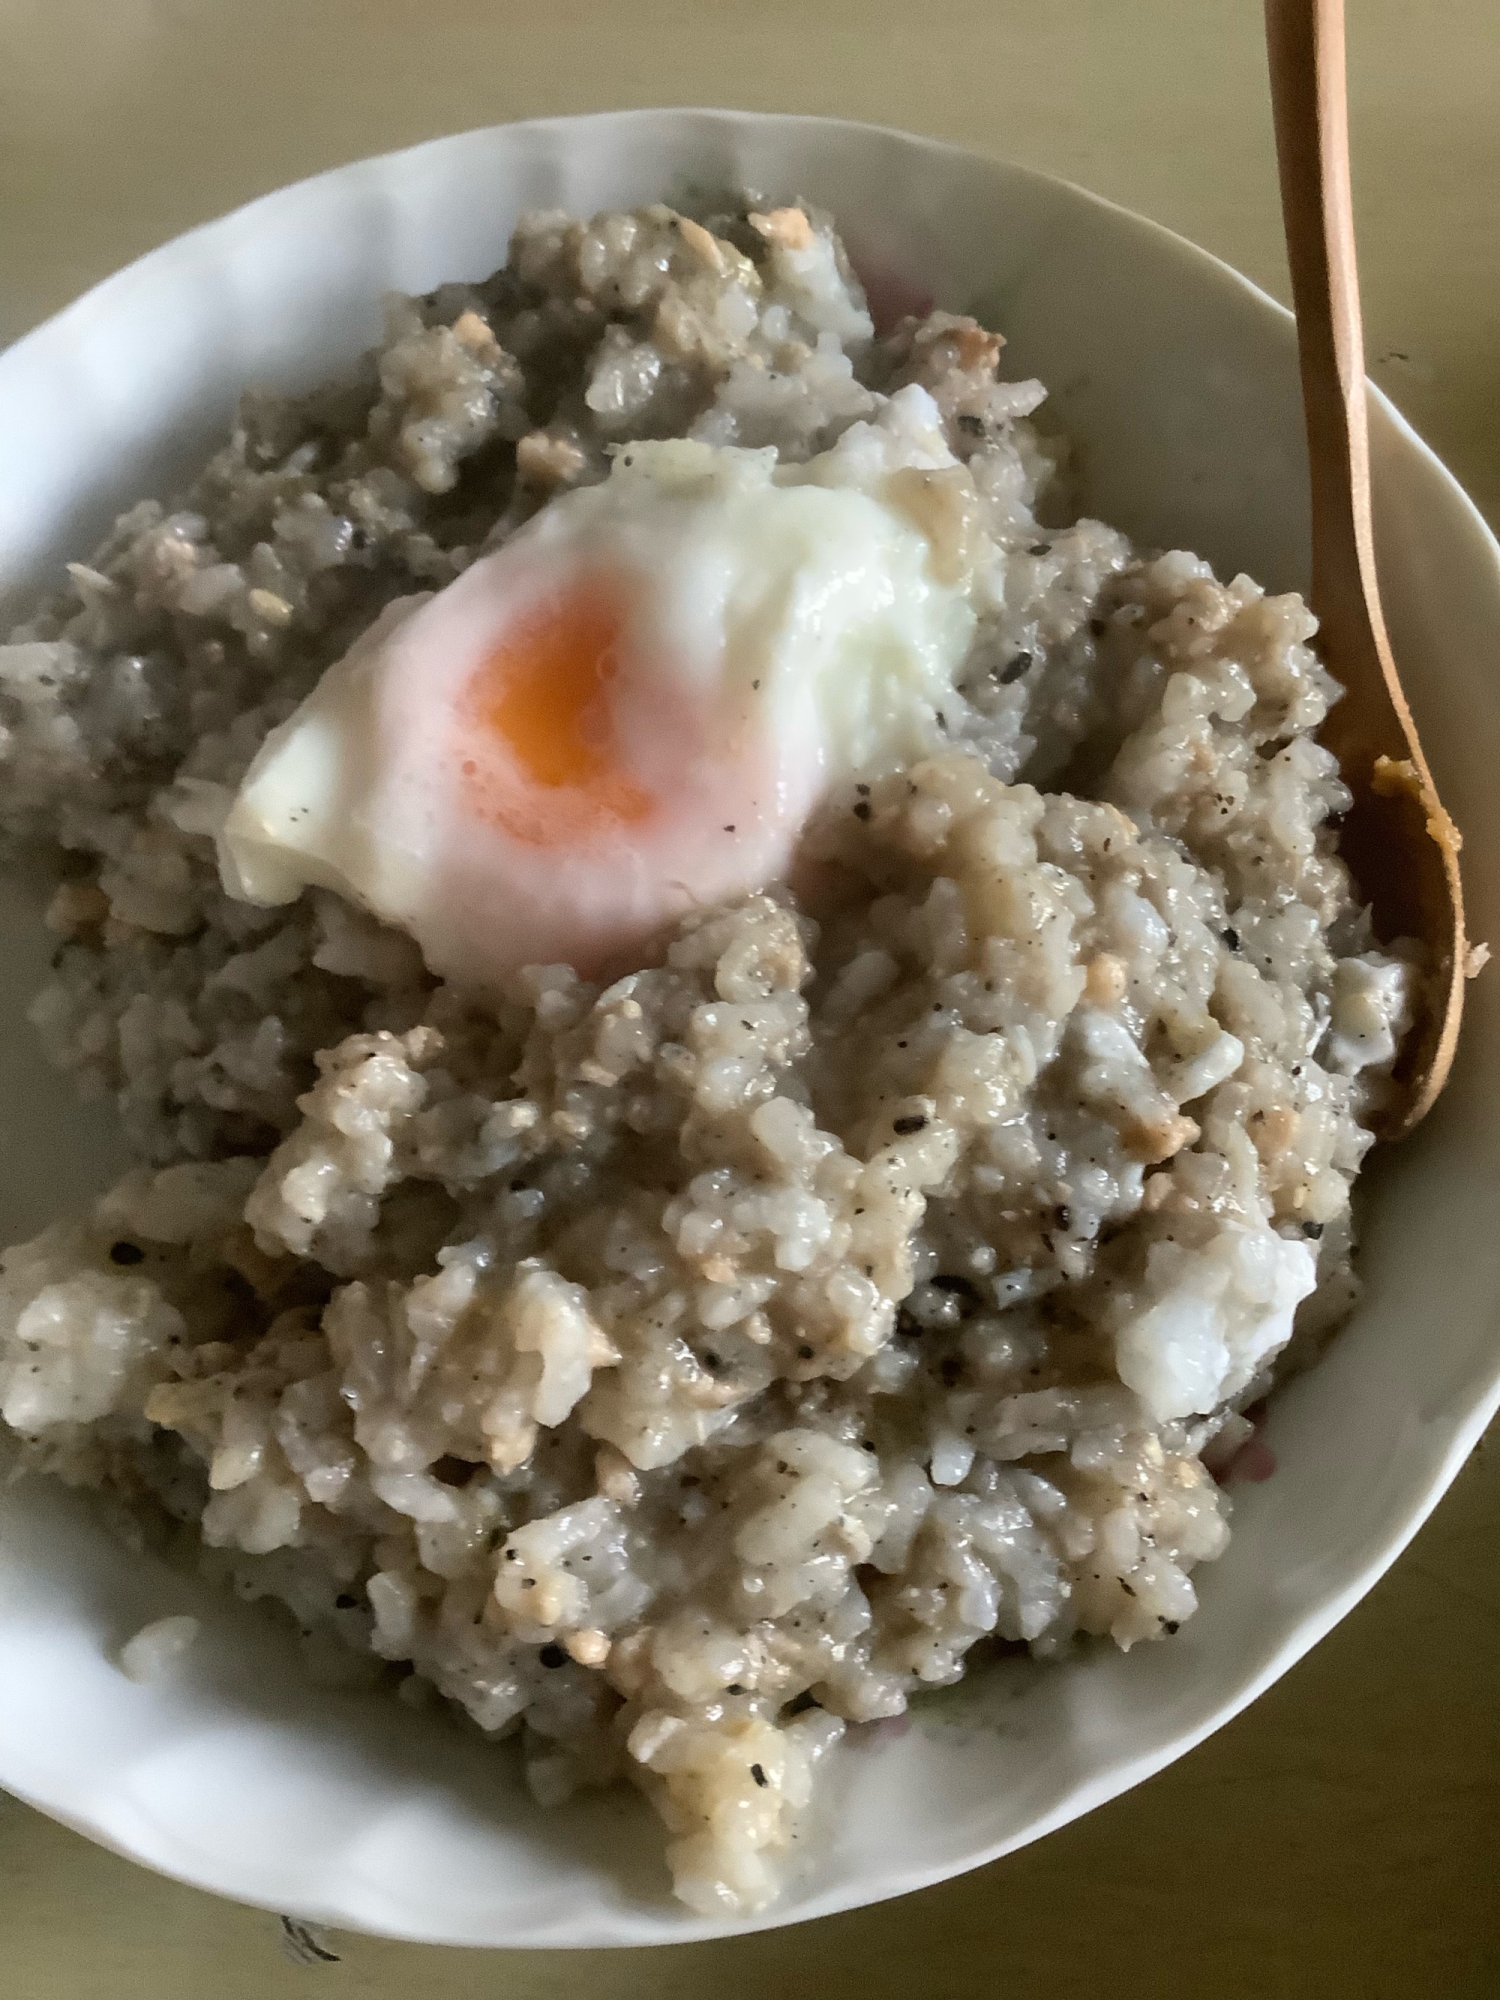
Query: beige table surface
[[1340, 1841]]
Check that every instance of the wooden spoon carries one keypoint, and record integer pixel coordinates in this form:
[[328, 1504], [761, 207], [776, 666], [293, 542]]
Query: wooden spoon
[[1399, 842]]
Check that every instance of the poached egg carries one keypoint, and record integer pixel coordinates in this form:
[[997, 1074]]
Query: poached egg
[[629, 709]]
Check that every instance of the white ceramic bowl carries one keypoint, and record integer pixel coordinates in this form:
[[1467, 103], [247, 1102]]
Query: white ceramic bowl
[[1178, 380]]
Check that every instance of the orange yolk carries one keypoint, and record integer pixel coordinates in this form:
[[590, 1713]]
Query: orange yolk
[[542, 698]]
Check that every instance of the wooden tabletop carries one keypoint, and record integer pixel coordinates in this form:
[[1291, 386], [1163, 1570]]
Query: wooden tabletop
[[1340, 1840]]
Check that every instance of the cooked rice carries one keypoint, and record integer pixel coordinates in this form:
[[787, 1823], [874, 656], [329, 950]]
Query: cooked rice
[[674, 1373], [151, 1651]]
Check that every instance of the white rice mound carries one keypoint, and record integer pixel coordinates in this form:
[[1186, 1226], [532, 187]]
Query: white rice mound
[[674, 1374]]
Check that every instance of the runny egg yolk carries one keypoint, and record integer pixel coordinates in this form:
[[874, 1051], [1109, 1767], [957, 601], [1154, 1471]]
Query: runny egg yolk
[[541, 699]]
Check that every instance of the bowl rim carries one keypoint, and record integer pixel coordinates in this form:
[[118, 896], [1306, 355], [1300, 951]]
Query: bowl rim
[[1480, 1405]]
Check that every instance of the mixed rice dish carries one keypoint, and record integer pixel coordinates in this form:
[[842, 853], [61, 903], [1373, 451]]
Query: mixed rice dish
[[674, 1350]]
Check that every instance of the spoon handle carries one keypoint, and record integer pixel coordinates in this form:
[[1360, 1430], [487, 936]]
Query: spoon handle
[[1305, 42]]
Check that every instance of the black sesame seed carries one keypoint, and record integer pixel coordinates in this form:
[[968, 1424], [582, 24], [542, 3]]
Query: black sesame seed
[[126, 1253], [759, 1776], [552, 1656], [1040, 549], [1013, 669], [913, 1123], [1231, 938]]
